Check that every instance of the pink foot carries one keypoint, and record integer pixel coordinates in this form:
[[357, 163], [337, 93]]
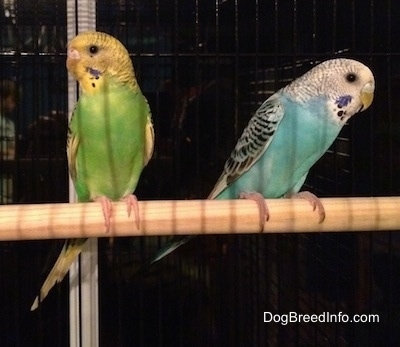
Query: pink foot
[[132, 202], [314, 201], [262, 206], [107, 208]]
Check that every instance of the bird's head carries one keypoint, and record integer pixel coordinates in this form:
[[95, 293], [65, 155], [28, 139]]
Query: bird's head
[[350, 86], [93, 57], [347, 84]]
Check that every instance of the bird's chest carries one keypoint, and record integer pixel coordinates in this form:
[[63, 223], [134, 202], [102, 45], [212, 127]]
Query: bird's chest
[[105, 121], [302, 134], [302, 137], [108, 148]]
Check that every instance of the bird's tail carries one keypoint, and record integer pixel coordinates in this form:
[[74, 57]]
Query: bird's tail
[[176, 242], [171, 246], [69, 253]]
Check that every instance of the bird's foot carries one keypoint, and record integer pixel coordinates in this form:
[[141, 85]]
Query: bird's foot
[[132, 203], [107, 208], [314, 201], [262, 206]]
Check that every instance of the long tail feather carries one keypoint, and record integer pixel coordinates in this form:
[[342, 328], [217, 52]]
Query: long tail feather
[[69, 253], [171, 246]]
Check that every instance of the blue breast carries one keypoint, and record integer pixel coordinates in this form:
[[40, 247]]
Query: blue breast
[[303, 136]]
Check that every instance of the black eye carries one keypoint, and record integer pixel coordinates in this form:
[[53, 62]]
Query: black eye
[[93, 49], [351, 77]]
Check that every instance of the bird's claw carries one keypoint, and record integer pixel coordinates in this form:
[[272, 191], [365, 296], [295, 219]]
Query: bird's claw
[[262, 206], [132, 202], [314, 201], [106, 206]]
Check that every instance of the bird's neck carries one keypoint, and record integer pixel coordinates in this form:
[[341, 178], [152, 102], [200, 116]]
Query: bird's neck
[[91, 85]]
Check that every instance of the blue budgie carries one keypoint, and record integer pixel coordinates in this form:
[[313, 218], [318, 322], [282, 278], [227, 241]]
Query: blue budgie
[[289, 132]]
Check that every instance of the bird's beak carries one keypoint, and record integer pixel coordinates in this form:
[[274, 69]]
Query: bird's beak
[[367, 95], [73, 57], [73, 53]]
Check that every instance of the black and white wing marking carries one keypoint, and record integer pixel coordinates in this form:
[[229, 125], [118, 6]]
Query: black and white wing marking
[[252, 144]]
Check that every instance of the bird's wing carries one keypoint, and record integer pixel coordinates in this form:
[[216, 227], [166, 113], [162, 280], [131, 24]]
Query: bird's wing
[[72, 149], [149, 147], [252, 144]]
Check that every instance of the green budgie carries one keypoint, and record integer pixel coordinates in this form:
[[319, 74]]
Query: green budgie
[[289, 132], [110, 137]]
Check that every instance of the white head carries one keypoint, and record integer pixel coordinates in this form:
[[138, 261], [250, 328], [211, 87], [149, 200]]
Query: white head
[[348, 85]]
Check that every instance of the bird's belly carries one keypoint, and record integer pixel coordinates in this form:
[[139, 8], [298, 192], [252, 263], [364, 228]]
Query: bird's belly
[[100, 172], [286, 162], [265, 178]]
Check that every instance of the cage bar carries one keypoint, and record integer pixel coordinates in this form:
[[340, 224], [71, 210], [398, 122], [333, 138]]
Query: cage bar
[[83, 275]]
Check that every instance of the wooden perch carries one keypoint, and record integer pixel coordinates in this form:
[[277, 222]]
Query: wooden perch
[[54, 221]]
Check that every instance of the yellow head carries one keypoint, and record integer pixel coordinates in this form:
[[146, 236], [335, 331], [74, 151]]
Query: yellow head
[[94, 57]]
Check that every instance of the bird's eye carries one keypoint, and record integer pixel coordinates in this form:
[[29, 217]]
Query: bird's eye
[[93, 49], [351, 77]]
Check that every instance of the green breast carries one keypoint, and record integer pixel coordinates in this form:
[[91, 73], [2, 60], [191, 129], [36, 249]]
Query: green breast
[[110, 126]]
